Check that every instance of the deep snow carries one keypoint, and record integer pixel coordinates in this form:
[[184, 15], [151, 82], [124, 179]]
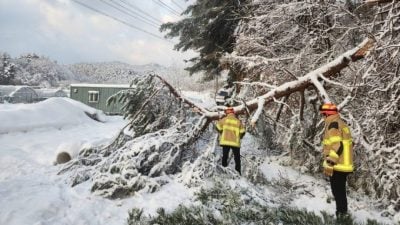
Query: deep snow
[[31, 192]]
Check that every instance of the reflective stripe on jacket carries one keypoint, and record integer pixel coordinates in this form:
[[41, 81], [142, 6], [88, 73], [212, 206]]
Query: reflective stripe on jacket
[[337, 144], [231, 130]]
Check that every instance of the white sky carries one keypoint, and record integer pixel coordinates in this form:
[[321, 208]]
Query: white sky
[[68, 32]]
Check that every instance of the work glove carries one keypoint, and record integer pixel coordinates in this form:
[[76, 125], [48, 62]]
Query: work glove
[[328, 170]]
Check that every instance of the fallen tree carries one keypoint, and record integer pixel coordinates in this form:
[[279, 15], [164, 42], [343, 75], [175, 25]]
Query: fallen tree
[[312, 78]]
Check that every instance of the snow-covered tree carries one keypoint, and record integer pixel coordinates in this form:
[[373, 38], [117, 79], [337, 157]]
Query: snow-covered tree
[[208, 28], [39, 71], [7, 69]]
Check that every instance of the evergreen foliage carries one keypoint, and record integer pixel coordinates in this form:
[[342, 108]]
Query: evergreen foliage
[[209, 28], [165, 137], [7, 69], [221, 204], [136, 109]]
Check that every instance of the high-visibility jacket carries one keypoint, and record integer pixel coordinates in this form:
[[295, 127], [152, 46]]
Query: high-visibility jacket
[[231, 129], [337, 144]]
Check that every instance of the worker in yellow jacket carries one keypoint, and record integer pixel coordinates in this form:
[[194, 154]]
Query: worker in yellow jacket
[[338, 155], [231, 131]]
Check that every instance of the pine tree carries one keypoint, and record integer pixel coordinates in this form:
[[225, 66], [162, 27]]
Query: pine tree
[[7, 69], [210, 29]]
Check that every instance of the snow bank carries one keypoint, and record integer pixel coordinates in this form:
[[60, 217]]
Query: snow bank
[[51, 113]]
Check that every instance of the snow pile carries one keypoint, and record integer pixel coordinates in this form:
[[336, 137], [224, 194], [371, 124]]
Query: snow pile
[[51, 113]]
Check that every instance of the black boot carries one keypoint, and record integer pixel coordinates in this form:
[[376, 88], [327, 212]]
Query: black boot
[[343, 218]]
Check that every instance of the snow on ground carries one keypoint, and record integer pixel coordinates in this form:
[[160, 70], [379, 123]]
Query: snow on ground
[[31, 192], [313, 194], [54, 113]]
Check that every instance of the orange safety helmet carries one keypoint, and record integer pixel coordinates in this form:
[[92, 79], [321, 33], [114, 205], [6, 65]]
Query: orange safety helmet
[[229, 110], [328, 109]]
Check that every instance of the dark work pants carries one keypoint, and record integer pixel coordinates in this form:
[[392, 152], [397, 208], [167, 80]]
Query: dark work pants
[[236, 156], [338, 186]]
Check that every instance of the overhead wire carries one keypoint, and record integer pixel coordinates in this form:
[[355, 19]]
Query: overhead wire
[[150, 19], [180, 7], [165, 6], [129, 14], [121, 21], [142, 11]]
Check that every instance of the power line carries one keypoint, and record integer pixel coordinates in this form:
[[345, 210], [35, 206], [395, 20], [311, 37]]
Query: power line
[[158, 23], [181, 8], [165, 6], [141, 11], [169, 7], [129, 14], [121, 21]]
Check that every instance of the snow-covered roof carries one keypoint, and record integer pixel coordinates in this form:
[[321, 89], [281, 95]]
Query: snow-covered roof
[[46, 93], [10, 90], [7, 89], [101, 85]]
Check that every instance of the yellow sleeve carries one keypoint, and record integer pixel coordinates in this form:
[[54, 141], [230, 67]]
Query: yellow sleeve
[[334, 141], [220, 125]]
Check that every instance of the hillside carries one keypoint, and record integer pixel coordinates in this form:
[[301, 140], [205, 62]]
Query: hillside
[[33, 70], [112, 72]]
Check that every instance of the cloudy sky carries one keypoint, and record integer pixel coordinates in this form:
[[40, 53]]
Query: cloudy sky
[[69, 32]]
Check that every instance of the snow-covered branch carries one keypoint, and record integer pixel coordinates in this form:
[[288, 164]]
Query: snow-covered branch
[[328, 70], [371, 2], [177, 95]]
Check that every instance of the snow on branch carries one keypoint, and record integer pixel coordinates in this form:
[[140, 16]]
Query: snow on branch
[[176, 94], [328, 70], [320, 88], [260, 106], [262, 84], [371, 2]]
